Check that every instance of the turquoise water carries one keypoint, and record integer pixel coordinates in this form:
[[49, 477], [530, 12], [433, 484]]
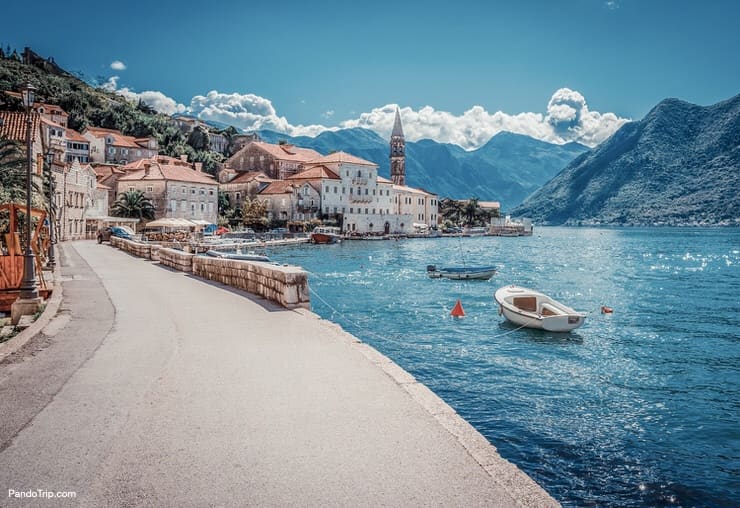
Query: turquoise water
[[637, 408]]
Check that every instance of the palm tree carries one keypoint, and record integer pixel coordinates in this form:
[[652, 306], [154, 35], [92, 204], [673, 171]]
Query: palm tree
[[133, 204], [471, 209]]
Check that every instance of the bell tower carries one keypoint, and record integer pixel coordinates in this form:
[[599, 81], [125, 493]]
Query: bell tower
[[398, 152]]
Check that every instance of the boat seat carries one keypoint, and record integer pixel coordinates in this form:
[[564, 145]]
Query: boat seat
[[526, 303], [548, 310]]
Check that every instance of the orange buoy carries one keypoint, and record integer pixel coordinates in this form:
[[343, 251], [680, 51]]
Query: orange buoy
[[457, 311], [606, 310]]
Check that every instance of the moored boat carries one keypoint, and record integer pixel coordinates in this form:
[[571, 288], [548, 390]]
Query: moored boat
[[325, 234], [461, 273], [532, 309]]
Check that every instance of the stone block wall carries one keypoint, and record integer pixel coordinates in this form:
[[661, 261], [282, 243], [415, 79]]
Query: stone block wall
[[286, 285], [176, 259]]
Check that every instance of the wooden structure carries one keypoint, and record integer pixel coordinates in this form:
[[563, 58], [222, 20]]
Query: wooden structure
[[11, 252]]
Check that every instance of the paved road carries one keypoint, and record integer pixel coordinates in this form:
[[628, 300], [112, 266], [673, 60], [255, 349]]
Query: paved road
[[155, 388]]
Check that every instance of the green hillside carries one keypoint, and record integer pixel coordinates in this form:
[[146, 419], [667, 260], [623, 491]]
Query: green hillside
[[93, 107]]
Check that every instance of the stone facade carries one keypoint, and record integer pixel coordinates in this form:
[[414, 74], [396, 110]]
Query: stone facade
[[276, 161]]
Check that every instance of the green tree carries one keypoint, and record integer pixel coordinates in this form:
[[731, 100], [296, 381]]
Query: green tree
[[12, 171], [224, 203], [198, 138], [133, 204], [471, 210]]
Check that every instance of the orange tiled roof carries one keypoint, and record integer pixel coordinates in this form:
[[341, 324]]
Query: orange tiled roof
[[251, 175], [168, 172], [279, 187], [51, 123], [288, 152], [160, 159], [13, 125], [73, 135], [119, 139], [342, 157], [315, 172]]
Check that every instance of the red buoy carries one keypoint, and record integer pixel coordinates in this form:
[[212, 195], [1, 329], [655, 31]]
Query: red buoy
[[606, 310], [457, 311]]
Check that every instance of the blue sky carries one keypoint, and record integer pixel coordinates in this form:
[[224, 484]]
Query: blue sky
[[325, 63]]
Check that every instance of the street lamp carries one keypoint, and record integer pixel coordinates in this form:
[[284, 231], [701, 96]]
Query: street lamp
[[29, 291], [49, 163]]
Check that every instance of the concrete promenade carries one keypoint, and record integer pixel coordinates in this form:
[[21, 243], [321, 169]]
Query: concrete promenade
[[155, 388]]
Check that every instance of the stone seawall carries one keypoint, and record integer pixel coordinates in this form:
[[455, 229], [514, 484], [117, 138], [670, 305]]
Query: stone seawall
[[176, 259], [285, 285]]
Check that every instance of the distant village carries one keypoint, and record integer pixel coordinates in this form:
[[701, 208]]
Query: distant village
[[293, 184]]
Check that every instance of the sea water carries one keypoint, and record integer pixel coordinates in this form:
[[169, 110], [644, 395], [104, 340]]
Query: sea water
[[636, 408]]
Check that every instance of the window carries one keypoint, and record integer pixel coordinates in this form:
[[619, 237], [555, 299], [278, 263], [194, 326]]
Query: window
[[184, 190], [365, 211], [210, 192], [366, 191], [149, 188], [202, 207], [131, 189], [173, 205], [343, 190], [202, 191], [335, 189], [351, 210], [192, 190], [327, 189], [359, 173], [183, 205]]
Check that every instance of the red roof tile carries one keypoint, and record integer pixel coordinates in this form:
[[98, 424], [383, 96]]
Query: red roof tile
[[168, 172], [249, 176], [342, 157], [288, 152], [13, 125], [315, 172], [279, 187], [73, 135]]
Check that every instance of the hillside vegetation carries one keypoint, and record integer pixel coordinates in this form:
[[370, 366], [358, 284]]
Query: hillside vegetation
[[95, 107]]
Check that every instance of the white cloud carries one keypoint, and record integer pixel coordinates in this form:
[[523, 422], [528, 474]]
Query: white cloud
[[248, 111], [612, 4], [155, 99], [118, 65], [567, 118]]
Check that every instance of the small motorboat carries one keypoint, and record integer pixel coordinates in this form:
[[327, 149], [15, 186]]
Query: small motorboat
[[238, 255], [462, 273], [325, 234], [532, 309]]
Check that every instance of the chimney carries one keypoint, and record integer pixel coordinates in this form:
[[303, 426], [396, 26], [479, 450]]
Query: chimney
[[199, 167], [184, 157]]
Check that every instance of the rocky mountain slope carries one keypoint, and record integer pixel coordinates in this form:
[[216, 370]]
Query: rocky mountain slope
[[680, 165]]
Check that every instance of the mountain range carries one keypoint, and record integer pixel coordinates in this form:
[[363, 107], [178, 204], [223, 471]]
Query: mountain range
[[680, 165], [507, 169]]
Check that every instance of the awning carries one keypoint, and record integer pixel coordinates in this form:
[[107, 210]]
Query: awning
[[200, 222], [170, 222]]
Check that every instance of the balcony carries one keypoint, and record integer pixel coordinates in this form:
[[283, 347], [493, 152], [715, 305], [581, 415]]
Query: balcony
[[359, 181], [354, 198]]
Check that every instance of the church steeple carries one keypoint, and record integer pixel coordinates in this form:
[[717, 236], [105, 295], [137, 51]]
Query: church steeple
[[398, 152]]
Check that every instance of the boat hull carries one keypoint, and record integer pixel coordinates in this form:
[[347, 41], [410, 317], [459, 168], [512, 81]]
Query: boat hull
[[324, 238], [473, 273], [532, 309]]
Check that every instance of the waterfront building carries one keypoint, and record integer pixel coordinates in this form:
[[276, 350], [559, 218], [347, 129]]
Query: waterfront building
[[111, 146], [242, 186], [75, 185], [276, 161], [78, 147], [313, 185], [420, 205], [176, 188], [55, 139]]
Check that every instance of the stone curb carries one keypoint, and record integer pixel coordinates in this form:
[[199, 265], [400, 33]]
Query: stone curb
[[513, 480], [9, 347]]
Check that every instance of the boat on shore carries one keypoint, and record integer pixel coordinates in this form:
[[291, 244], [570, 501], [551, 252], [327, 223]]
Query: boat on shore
[[325, 234], [461, 273], [532, 309]]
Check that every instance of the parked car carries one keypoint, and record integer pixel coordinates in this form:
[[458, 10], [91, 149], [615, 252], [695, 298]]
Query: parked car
[[104, 234]]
